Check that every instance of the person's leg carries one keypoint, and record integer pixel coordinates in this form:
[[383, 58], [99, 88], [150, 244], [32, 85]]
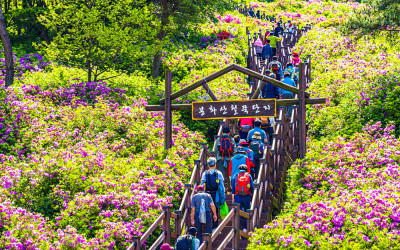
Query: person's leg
[[238, 199], [273, 51], [246, 206], [242, 135], [221, 168], [198, 226], [257, 167], [208, 225], [215, 223]]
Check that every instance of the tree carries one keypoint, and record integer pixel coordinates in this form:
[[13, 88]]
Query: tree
[[375, 17], [99, 35], [7, 50], [173, 14]]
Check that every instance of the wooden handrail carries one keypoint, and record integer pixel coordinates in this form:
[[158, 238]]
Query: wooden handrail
[[228, 239], [152, 228], [157, 242], [223, 224]]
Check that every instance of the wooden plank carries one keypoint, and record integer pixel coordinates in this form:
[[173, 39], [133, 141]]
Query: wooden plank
[[168, 112], [210, 92], [200, 83], [244, 235], [244, 214], [280, 102]]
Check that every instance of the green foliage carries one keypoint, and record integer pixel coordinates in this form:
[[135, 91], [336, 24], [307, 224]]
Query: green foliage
[[377, 18], [382, 102], [99, 37]]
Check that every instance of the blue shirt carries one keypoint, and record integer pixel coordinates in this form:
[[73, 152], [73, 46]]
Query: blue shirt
[[288, 81], [256, 129]]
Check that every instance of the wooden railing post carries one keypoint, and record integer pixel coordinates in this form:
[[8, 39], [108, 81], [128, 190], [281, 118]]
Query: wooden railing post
[[197, 174], [236, 226], [168, 112], [207, 239], [136, 243], [188, 187], [178, 229], [302, 112], [167, 224]]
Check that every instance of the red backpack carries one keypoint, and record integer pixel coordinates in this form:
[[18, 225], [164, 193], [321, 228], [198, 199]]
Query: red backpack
[[242, 184], [225, 146]]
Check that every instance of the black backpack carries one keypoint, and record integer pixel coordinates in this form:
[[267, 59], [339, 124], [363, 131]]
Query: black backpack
[[212, 181], [184, 242], [256, 147]]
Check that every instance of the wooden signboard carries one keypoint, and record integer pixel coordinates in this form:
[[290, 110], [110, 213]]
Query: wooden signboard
[[233, 109]]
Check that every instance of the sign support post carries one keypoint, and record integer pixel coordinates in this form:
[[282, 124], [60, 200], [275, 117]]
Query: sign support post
[[168, 112], [302, 109]]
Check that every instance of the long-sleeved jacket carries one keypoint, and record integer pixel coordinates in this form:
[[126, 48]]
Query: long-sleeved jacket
[[278, 30], [270, 91], [288, 81], [267, 52], [238, 160]]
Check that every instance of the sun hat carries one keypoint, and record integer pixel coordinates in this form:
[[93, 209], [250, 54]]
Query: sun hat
[[200, 187], [257, 136], [286, 73], [296, 54], [272, 76]]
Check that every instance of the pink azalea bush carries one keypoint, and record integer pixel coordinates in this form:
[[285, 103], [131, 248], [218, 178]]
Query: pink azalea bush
[[344, 194]]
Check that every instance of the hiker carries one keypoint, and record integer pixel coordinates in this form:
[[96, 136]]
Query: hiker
[[249, 153], [202, 206], [242, 190], [278, 30], [287, 94], [267, 127], [240, 158], [267, 51], [259, 47], [276, 68], [289, 27], [213, 182], [166, 247], [257, 128], [270, 91], [251, 12], [225, 148], [266, 36], [295, 59], [237, 139], [245, 125], [273, 41], [292, 71], [257, 147], [187, 241]]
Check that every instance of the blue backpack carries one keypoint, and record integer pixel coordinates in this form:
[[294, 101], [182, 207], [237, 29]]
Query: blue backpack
[[184, 242], [257, 149]]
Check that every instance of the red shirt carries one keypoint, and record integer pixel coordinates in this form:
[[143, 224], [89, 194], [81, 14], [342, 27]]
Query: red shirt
[[247, 121]]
